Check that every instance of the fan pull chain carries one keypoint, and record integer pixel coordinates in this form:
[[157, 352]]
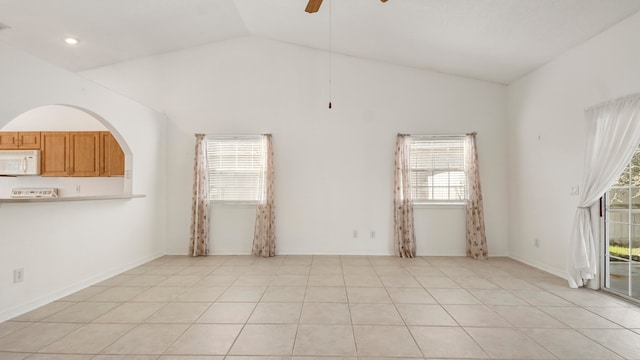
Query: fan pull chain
[[330, 52]]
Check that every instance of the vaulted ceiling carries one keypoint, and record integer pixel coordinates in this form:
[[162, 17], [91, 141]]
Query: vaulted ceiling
[[493, 40]]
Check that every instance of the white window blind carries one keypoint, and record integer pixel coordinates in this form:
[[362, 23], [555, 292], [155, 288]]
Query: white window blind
[[236, 166], [437, 169]]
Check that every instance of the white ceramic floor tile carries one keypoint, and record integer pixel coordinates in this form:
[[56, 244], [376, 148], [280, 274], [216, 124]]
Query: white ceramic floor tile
[[420, 314], [89, 339], [202, 294], [44, 311], [206, 339], [35, 337], [327, 308], [569, 344], [276, 313], [437, 282], [476, 315], [625, 343], [243, 294], [375, 314], [325, 313], [10, 327], [177, 313], [577, 317], [527, 317], [503, 343], [227, 313], [453, 296], [118, 294], [497, 297], [393, 341], [410, 296], [129, 313], [282, 294], [325, 340], [82, 312], [446, 342], [258, 339], [368, 295], [540, 298], [628, 317], [147, 339], [326, 294]]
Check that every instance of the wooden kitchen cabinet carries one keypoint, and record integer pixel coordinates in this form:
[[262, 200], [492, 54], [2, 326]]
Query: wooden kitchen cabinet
[[84, 153], [12, 140], [54, 157], [70, 153], [111, 155]]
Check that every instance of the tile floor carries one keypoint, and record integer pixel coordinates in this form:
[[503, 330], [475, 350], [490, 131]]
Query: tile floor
[[310, 307]]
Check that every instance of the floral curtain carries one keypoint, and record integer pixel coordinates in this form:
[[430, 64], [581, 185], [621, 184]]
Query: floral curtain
[[199, 244], [404, 234], [613, 134], [476, 237], [264, 237]]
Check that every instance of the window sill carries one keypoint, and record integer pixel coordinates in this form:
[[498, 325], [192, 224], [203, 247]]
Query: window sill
[[440, 205], [234, 203]]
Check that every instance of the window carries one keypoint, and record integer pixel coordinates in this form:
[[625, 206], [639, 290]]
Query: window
[[622, 229], [437, 169], [236, 168]]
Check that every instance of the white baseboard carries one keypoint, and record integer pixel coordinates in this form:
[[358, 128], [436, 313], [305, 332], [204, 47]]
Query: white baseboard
[[43, 300], [544, 267]]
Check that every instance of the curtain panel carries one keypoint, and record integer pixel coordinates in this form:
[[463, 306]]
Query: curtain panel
[[404, 233], [199, 240], [264, 237], [474, 210], [613, 134]]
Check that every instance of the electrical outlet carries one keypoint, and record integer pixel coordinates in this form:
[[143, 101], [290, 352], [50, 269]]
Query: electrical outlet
[[536, 242], [78, 189], [372, 234], [18, 275], [355, 234]]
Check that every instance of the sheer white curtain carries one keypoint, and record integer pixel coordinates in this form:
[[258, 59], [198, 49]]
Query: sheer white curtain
[[199, 242], [613, 133], [404, 233]]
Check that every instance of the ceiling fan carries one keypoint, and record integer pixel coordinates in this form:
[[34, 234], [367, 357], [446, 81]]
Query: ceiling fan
[[314, 5]]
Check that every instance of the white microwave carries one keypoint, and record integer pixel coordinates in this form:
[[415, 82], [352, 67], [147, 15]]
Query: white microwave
[[19, 162]]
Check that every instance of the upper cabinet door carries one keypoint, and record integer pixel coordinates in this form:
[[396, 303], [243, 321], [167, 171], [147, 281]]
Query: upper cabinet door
[[111, 156], [10, 140], [54, 158], [84, 153], [29, 140]]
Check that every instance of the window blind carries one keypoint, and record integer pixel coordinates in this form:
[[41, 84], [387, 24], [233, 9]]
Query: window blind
[[236, 166], [437, 169]]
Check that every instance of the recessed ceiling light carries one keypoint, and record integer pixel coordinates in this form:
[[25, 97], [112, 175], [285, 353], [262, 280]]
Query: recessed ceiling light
[[71, 41]]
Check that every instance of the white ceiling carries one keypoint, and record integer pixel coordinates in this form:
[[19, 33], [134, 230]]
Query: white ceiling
[[494, 40]]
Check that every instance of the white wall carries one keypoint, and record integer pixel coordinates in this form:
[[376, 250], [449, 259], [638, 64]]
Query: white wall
[[547, 138], [54, 118], [333, 168], [64, 246]]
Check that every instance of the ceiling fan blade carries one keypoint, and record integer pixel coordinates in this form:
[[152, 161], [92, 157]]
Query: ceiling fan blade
[[313, 6]]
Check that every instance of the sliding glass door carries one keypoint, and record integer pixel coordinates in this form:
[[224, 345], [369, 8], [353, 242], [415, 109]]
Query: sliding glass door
[[622, 232]]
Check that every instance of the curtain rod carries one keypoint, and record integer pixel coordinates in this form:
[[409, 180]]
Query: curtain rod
[[232, 136], [444, 135]]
